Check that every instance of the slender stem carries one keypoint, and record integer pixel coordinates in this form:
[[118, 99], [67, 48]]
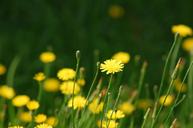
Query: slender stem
[[145, 118], [190, 81], [40, 92]]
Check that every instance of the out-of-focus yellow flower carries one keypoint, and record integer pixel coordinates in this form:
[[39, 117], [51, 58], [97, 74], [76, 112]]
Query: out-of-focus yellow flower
[[111, 66], [79, 102], [107, 124], [144, 104], [81, 82], [47, 57], [7, 92], [95, 106], [25, 116], [16, 126], [168, 101], [39, 76], [33, 105], [40, 118], [20, 100], [52, 121], [117, 114], [66, 74], [127, 108], [116, 11], [124, 57], [188, 45], [183, 30], [43, 126], [51, 85], [67, 88], [179, 86], [2, 69]]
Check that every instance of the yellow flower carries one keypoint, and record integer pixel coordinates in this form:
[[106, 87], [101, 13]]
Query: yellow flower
[[81, 82], [40, 118], [96, 107], [47, 57], [79, 102], [43, 126], [20, 100], [66, 74], [16, 126], [183, 30], [188, 45], [109, 123], [33, 105], [25, 116], [111, 66], [168, 101], [2, 69], [7, 92], [117, 114], [124, 57], [52, 121], [39, 76], [144, 104], [67, 88], [127, 108], [51, 85], [179, 86], [116, 11]]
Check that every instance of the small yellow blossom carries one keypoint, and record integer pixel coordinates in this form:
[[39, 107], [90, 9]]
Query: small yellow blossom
[[16, 126], [51, 85], [81, 82], [2, 69], [40, 118], [111, 66], [108, 124], [179, 86], [39, 76], [183, 30], [33, 105], [95, 106], [144, 104], [127, 108], [117, 114], [67, 88], [25, 116], [79, 102], [20, 100], [116, 11], [168, 101], [47, 57], [43, 126], [7, 92], [52, 121], [188, 45], [66, 74], [124, 57]]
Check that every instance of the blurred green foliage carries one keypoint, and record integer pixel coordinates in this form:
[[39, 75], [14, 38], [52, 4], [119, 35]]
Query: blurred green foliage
[[28, 27]]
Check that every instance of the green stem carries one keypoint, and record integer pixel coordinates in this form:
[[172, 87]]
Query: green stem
[[190, 82], [145, 118]]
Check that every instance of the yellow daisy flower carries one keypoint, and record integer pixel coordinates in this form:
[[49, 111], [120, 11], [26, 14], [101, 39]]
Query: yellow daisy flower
[[2, 69], [124, 57], [39, 76], [52, 121], [40, 118], [111, 66], [117, 114], [43, 126], [33, 105], [51, 85], [116, 11], [79, 102], [25, 116], [109, 123], [20, 100], [67, 88], [7, 92], [47, 57], [183, 30], [66, 74], [169, 100], [95, 106], [188, 45], [127, 108]]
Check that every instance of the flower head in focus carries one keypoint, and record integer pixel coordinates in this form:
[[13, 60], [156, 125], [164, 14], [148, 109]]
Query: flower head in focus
[[183, 30], [33, 105], [66, 74], [39, 76]]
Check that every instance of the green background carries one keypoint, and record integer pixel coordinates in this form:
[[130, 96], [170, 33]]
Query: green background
[[28, 27]]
